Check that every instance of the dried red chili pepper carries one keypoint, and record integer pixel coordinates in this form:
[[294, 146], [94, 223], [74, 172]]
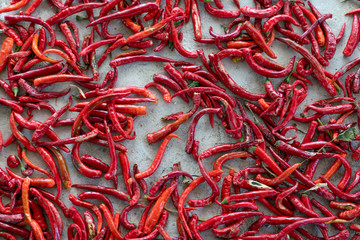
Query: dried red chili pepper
[[354, 37], [158, 158]]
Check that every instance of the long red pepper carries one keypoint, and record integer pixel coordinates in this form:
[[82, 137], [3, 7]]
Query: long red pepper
[[319, 73], [156, 210], [158, 158]]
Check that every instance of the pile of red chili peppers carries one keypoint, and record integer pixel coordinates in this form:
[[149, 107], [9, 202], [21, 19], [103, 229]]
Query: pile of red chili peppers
[[281, 166]]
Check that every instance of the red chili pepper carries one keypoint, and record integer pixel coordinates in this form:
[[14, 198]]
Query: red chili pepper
[[177, 44], [341, 33], [220, 13], [56, 222], [63, 14], [263, 13], [330, 37], [106, 190], [110, 222], [319, 73], [95, 209], [271, 22], [354, 37], [227, 80], [158, 158], [5, 51], [157, 209], [256, 35]]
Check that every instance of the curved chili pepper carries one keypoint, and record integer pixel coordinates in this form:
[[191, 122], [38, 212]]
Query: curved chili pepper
[[158, 158], [41, 95], [71, 229], [166, 94], [17, 18], [50, 162], [319, 73], [177, 44], [290, 228], [220, 13], [63, 14], [228, 81], [18, 135], [29, 163], [341, 33], [191, 134], [110, 222], [111, 174], [271, 22], [95, 209], [15, 6], [330, 37], [224, 218], [56, 222], [185, 194], [77, 219], [162, 180], [5, 51], [267, 72]]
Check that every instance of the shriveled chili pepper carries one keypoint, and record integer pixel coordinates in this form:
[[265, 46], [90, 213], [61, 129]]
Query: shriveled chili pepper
[[18, 135], [318, 31], [319, 73], [106, 190], [354, 39], [56, 222], [267, 72], [330, 37], [220, 13], [42, 128]]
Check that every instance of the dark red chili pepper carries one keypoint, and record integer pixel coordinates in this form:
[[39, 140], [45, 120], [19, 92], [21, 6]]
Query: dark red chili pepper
[[330, 37], [56, 222], [271, 22], [94, 208], [354, 37], [63, 14], [227, 80], [319, 73], [17, 18], [41, 95], [77, 219], [42, 128], [341, 33], [106, 190], [11, 33], [162, 180], [229, 217], [267, 72]]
